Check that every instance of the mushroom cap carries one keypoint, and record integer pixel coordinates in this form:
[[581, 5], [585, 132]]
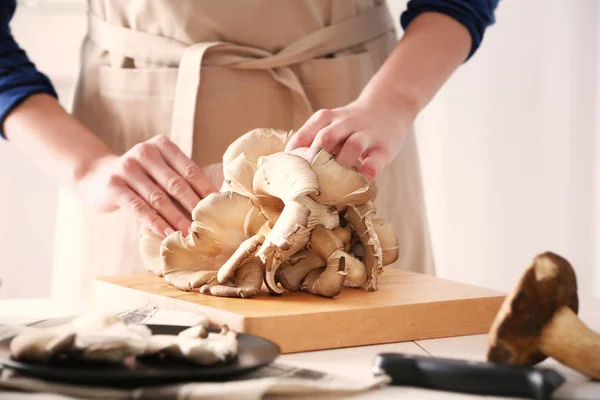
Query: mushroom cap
[[546, 286]]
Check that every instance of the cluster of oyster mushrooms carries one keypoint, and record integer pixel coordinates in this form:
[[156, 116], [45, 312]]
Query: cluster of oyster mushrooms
[[295, 221], [106, 338]]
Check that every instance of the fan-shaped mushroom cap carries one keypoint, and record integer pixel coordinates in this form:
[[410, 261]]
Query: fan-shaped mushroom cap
[[361, 219], [149, 248], [257, 143], [217, 232], [388, 240], [339, 186]]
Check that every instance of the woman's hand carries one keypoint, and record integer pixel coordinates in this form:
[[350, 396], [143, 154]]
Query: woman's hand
[[141, 182], [372, 128], [368, 131]]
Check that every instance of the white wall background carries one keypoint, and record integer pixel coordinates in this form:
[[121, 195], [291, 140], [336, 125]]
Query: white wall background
[[508, 148]]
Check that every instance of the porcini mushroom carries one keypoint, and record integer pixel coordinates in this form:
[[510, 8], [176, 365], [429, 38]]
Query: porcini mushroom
[[539, 319]]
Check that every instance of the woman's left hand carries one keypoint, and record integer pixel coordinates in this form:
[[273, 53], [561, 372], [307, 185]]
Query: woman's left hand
[[369, 131]]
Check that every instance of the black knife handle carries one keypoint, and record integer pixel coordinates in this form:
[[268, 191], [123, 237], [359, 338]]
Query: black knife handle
[[468, 376]]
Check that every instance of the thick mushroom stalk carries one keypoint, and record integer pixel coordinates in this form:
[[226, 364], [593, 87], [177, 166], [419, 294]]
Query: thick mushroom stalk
[[539, 319]]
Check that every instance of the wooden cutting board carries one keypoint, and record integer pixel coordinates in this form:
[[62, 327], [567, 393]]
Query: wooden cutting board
[[407, 306]]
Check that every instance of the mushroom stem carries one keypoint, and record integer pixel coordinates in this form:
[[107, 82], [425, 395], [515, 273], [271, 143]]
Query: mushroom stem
[[571, 342], [345, 235], [246, 249], [292, 272], [249, 278], [326, 282], [288, 236], [327, 245]]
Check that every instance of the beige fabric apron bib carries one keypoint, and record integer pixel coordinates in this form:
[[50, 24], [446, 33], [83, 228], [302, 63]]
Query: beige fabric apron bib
[[205, 72]]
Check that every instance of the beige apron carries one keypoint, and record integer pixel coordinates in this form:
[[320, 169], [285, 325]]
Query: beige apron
[[205, 72]]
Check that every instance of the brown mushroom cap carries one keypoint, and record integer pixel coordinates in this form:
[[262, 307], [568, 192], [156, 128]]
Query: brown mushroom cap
[[546, 286]]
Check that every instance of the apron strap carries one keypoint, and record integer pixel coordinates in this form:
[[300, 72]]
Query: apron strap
[[161, 50]]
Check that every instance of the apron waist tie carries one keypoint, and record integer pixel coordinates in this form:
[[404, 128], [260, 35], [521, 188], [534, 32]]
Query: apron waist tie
[[156, 49]]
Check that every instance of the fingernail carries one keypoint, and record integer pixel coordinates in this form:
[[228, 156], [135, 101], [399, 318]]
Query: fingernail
[[168, 231]]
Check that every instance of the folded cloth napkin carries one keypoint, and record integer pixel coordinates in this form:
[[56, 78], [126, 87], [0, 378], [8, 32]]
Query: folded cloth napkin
[[274, 380]]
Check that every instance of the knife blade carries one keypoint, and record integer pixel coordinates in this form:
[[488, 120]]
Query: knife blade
[[468, 376]]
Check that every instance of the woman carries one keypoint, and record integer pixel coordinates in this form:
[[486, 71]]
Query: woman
[[165, 87]]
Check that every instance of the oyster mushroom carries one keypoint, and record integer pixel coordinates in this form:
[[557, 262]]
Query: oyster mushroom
[[269, 204], [326, 282], [361, 220], [93, 337], [247, 283], [289, 178], [339, 186], [539, 319], [221, 223], [149, 248], [330, 248], [240, 160], [295, 269], [207, 350]]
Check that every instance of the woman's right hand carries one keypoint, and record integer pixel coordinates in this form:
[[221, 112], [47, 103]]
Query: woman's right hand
[[141, 181]]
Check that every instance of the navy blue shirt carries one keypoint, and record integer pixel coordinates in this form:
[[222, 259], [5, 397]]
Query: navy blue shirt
[[19, 78]]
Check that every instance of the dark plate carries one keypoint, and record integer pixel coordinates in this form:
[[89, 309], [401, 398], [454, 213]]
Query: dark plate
[[253, 352]]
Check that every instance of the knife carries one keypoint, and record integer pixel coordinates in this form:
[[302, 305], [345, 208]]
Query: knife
[[468, 376]]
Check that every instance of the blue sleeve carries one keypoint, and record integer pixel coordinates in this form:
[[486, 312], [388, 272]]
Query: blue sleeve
[[475, 15], [19, 77]]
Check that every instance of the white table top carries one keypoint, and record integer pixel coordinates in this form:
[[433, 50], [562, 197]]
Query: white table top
[[357, 361]]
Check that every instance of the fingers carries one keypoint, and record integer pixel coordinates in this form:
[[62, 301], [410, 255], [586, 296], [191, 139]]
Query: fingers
[[127, 199], [153, 162], [374, 161], [306, 134], [137, 179], [185, 167], [332, 137], [354, 147]]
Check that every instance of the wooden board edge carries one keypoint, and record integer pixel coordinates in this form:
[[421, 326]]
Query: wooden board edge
[[359, 330]]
